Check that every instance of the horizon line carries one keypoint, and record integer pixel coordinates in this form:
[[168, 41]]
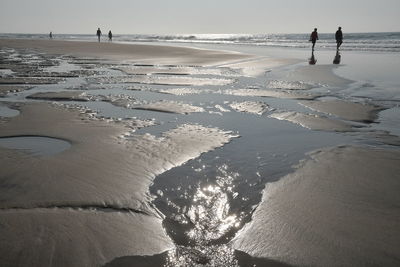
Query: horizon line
[[189, 33]]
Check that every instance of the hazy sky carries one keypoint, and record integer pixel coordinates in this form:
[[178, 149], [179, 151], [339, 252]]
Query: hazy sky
[[198, 16]]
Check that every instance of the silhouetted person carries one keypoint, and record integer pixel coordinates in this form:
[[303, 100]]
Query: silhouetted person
[[337, 58], [314, 37], [312, 59], [110, 36], [98, 34], [339, 38], [51, 35]]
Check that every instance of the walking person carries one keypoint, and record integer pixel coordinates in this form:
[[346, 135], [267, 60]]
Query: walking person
[[110, 36], [314, 37], [98, 34], [339, 38]]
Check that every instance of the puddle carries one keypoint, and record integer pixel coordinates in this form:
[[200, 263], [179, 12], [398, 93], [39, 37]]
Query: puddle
[[8, 112], [35, 145]]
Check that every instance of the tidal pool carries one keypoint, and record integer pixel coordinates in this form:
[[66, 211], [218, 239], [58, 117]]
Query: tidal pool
[[35, 145], [8, 112]]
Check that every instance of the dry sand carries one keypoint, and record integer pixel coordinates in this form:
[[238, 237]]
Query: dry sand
[[340, 208]]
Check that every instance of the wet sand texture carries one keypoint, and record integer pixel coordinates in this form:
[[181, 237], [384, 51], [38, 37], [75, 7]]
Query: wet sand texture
[[183, 91], [166, 80], [250, 107], [28, 80], [322, 74], [313, 122], [60, 96], [346, 110], [268, 93], [80, 191], [175, 70], [6, 89], [170, 107], [150, 54], [340, 208], [259, 66], [77, 237]]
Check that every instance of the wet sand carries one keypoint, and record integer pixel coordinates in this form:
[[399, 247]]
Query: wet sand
[[193, 165], [339, 208], [149, 54], [73, 188]]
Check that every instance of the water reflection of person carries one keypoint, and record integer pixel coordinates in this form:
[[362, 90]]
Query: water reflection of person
[[312, 59], [337, 58]]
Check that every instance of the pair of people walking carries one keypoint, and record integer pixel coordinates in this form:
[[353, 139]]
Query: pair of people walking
[[98, 33], [338, 37]]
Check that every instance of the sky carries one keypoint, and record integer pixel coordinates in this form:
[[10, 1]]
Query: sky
[[198, 16]]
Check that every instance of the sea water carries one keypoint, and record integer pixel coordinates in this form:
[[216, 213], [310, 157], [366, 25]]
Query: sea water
[[382, 41]]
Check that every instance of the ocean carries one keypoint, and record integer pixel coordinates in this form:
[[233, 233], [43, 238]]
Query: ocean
[[377, 42]]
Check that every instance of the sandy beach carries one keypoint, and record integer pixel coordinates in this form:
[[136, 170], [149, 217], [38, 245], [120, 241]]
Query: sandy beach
[[150, 54], [168, 155]]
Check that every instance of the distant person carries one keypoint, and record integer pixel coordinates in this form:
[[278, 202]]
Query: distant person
[[110, 36], [51, 35], [337, 58], [314, 37], [312, 59], [98, 34], [339, 38]]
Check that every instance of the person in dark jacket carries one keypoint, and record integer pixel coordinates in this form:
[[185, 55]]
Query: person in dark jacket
[[98, 33], [339, 38], [110, 36], [314, 37]]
